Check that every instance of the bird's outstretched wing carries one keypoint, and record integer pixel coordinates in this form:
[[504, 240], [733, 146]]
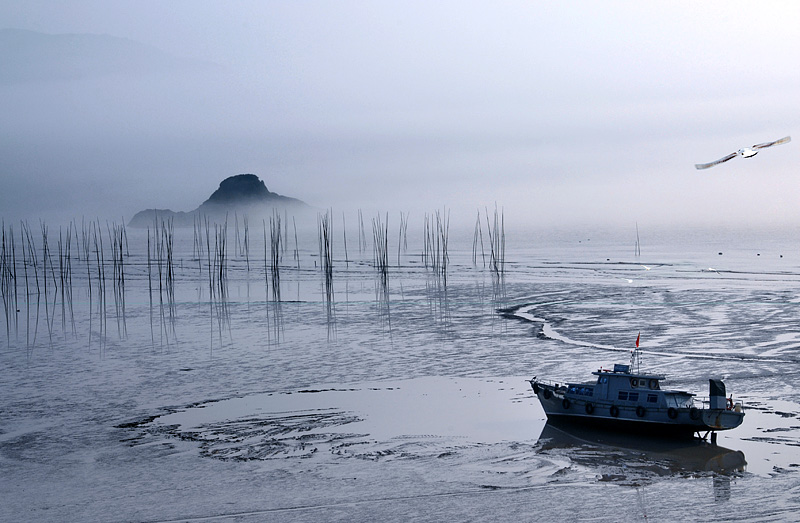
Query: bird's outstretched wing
[[712, 164], [783, 140]]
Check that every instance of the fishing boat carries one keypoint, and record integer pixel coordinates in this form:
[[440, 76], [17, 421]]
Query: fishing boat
[[625, 399]]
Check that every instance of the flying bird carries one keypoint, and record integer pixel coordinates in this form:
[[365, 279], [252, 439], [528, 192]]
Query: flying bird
[[747, 152]]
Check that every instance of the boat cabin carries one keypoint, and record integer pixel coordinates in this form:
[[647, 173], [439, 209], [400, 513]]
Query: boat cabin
[[621, 386]]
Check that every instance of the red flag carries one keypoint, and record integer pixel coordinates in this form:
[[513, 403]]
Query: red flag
[[637, 340]]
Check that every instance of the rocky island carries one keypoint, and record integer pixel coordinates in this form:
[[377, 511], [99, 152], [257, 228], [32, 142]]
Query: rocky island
[[244, 194]]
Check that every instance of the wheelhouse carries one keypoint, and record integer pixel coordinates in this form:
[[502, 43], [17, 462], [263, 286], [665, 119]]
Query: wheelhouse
[[623, 387]]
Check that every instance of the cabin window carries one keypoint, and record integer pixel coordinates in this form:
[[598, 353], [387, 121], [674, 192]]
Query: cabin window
[[624, 395], [654, 384], [652, 398]]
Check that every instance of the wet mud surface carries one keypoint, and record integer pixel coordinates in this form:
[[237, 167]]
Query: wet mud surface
[[402, 401]]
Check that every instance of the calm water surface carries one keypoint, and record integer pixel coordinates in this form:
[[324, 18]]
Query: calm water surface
[[357, 396]]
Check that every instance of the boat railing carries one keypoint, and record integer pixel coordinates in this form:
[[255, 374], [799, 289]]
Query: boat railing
[[699, 402], [558, 387], [704, 403]]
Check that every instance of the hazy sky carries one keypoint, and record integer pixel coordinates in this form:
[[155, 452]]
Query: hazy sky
[[569, 112]]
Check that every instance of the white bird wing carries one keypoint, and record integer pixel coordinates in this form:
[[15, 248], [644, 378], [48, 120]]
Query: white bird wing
[[712, 164], [785, 139]]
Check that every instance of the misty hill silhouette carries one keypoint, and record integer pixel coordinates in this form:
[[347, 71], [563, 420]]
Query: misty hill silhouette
[[28, 56], [244, 194], [245, 188]]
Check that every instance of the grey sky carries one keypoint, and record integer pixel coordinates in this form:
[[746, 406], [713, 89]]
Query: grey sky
[[567, 112]]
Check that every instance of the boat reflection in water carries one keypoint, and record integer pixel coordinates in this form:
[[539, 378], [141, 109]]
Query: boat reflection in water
[[618, 456]]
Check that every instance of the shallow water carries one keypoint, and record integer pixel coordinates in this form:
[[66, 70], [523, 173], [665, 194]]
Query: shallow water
[[399, 401]]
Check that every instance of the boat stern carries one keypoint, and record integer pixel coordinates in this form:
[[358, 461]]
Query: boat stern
[[722, 414], [722, 419]]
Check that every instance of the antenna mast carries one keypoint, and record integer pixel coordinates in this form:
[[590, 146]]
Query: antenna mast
[[636, 355]]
